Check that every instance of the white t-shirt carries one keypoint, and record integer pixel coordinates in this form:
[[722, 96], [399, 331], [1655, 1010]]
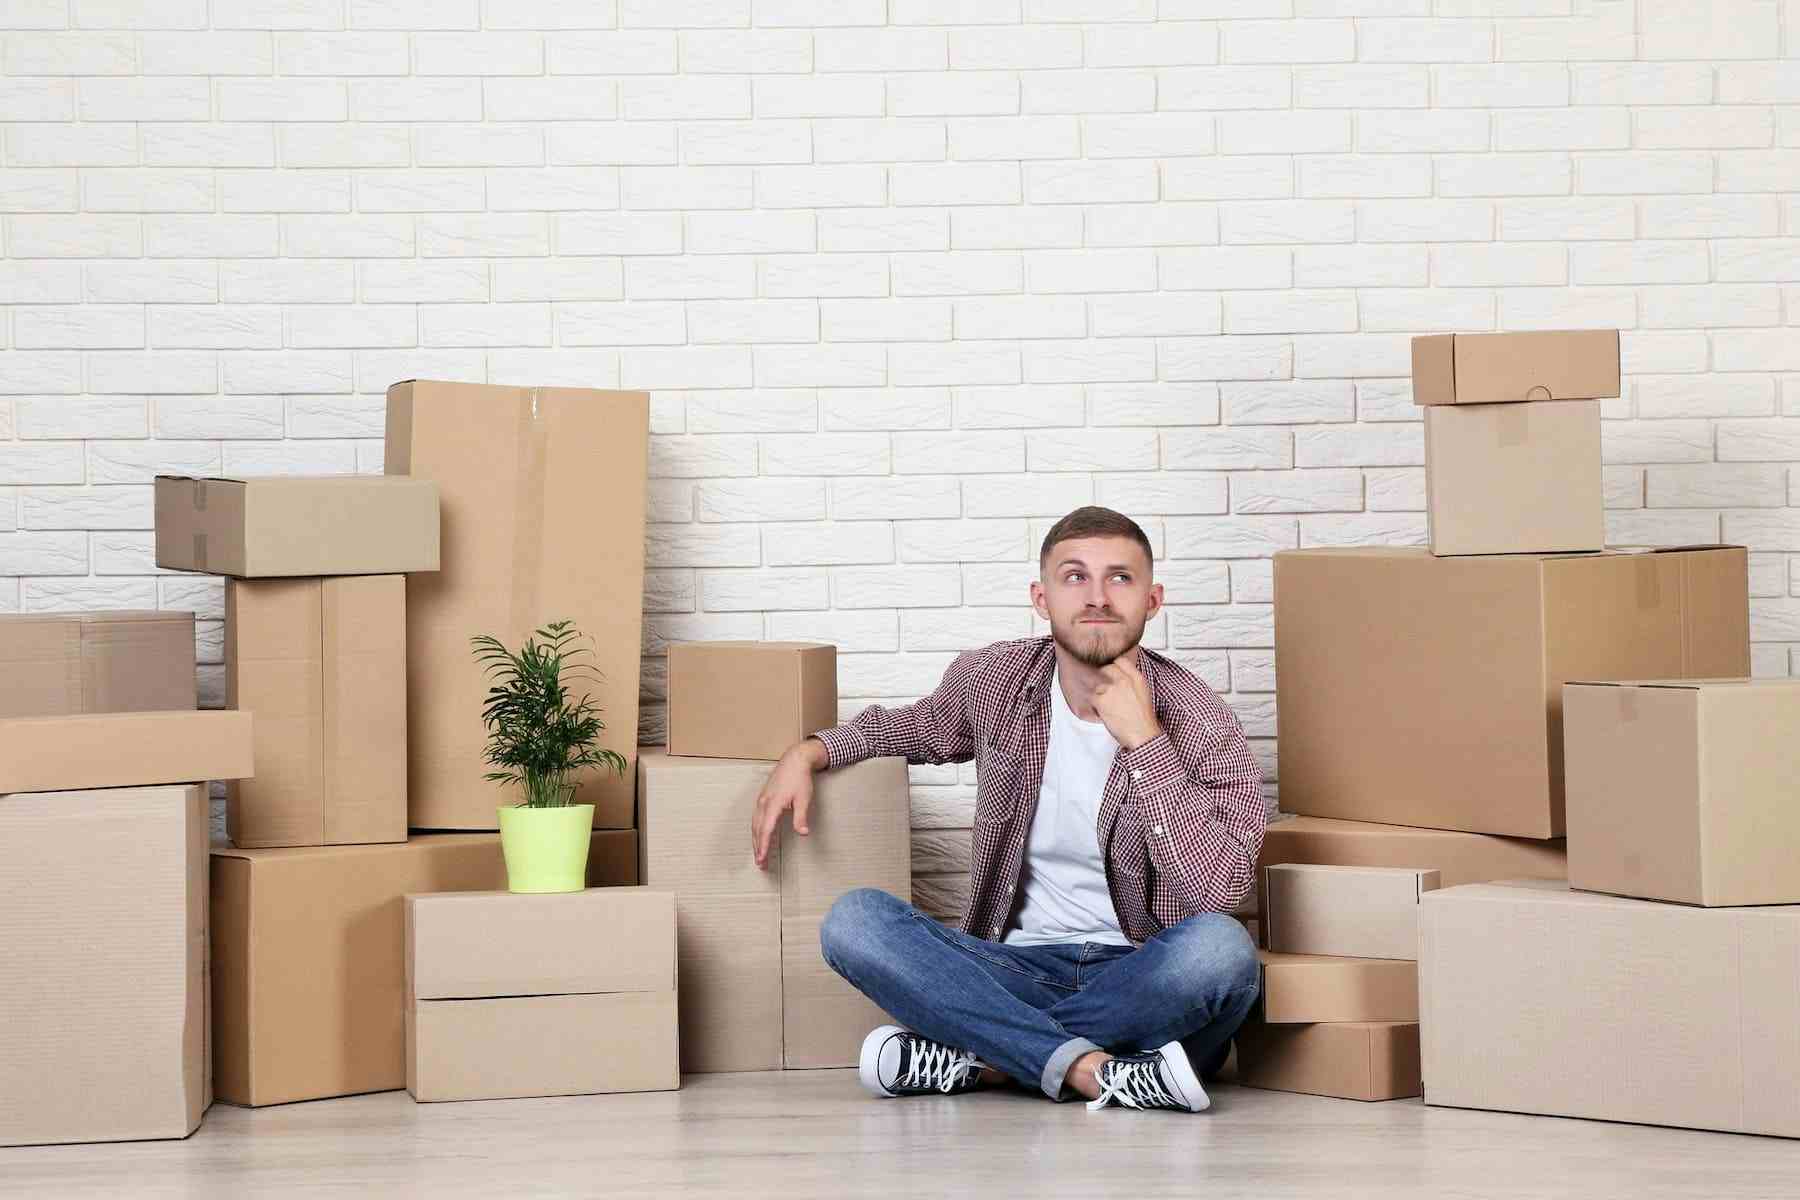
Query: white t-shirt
[[1064, 879]]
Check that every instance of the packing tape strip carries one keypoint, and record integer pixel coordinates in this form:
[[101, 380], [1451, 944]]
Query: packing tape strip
[[200, 495], [1628, 704], [528, 513], [1649, 582], [1515, 424], [200, 552]]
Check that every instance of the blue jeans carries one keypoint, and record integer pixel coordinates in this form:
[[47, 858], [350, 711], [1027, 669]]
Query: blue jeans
[[1032, 1011]]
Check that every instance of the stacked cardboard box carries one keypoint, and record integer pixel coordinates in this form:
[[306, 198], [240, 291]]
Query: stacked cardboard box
[[756, 993], [59, 664], [540, 995], [103, 830], [1603, 1002], [1422, 689]]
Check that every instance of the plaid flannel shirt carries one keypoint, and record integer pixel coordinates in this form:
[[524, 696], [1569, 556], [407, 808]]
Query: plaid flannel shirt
[[1182, 816]]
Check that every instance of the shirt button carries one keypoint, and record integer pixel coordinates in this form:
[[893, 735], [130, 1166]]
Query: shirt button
[[1137, 773], [1158, 831]]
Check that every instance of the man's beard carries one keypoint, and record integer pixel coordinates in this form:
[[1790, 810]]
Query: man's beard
[[1092, 649]]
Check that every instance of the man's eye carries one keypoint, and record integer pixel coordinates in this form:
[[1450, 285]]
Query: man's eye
[[1073, 577], [1123, 576]]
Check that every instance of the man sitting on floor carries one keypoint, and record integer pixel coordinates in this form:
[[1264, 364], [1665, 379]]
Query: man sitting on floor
[[1118, 819]]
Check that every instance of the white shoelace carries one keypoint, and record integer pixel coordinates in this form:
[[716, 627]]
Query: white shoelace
[[935, 1065], [1136, 1084]]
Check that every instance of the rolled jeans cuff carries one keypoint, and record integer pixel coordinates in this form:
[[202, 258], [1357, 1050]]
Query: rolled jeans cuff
[[1057, 1069]]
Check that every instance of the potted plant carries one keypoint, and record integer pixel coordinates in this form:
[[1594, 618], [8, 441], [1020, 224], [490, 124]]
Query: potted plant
[[538, 738]]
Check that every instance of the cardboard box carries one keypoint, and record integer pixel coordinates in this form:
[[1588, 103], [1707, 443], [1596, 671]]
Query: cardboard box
[[749, 699], [1685, 789], [1356, 912], [1426, 691], [1351, 1060], [103, 1030], [1514, 478], [286, 525], [540, 995], [309, 956], [107, 750], [1303, 988], [321, 663], [1456, 857], [1539, 999], [756, 993], [62, 664], [543, 498], [1490, 368]]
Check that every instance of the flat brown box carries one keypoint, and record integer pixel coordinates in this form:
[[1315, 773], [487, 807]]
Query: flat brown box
[[543, 498], [1358, 912], [60, 664], [108, 750], [321, 663], [1538, 999], [1490, 368], [1514, 478], [287, 525], [103, 1030], [1350, 1060], [1456, 857], [756, 993], [309, 956], [540, 995], [749, 699], [1427, 691], [1307, 988], [1685, 790]]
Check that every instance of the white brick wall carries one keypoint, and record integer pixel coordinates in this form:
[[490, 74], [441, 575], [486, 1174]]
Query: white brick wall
[[908, 278]]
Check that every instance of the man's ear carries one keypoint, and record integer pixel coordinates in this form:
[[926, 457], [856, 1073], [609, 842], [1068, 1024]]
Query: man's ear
[[1038, 601], [1156, 601]]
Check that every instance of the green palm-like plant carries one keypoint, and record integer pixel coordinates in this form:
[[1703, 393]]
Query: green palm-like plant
[[537, 735]]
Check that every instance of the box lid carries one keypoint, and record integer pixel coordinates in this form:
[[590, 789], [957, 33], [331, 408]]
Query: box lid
[[1691, 685]]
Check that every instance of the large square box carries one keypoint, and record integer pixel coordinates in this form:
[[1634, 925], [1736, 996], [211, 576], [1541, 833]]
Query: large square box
[[61, 664], [1685, 789], [543, 495], [1495, 368], [1427, 691], [1514, 478], [1538, 999], [286, 525], [749, 699], [321, 663]]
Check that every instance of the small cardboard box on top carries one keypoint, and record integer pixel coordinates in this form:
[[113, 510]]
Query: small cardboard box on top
[[113, 750], [756, 993], [322, 665], [1356, 912], [60, 664], [1502, 368], [1685, 789], [543, 497], [1514, 478], [1538, 999], [1427, 691], [309, 956], [288, 525], [103, 1025], [540, 995], [749, 699]]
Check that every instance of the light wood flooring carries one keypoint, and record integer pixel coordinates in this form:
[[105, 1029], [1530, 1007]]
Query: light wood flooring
[[803, 1134]]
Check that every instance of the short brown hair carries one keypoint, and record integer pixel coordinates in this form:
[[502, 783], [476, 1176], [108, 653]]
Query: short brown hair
[[1090, 520]]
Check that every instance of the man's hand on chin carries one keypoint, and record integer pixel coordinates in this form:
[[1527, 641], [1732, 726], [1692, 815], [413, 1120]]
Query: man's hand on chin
[[1123, 701]]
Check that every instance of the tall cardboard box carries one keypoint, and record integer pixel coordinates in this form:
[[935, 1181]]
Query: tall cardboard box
[[309, 956], [1514, 478], [756, 994], [1538, 999], [322, 665], [1495, 368], [60, 664], [289, 525], [1307, 988], [1685, 789], [103, 1031], [540, 995], [543, 495], [113, 750], [1427, 691], [1348, 1060], [1356, 912], [749, 699]]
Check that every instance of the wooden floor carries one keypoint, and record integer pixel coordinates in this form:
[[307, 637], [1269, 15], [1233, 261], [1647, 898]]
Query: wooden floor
[[804, 1134]]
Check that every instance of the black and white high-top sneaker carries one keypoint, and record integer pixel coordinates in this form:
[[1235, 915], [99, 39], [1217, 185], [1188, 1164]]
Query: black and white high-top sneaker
[[898, 1062], [1160, 1078]]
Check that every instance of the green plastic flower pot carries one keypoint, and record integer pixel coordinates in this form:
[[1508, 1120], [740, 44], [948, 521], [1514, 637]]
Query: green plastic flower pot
[[546, 849]]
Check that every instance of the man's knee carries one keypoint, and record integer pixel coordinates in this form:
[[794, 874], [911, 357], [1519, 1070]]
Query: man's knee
[[853, 923], [1211, 957]]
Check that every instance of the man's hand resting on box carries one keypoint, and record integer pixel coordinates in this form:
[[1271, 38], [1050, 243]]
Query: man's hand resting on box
[[790, 785]]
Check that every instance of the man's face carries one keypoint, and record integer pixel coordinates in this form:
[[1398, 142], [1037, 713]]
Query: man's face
[[1097, 595]]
